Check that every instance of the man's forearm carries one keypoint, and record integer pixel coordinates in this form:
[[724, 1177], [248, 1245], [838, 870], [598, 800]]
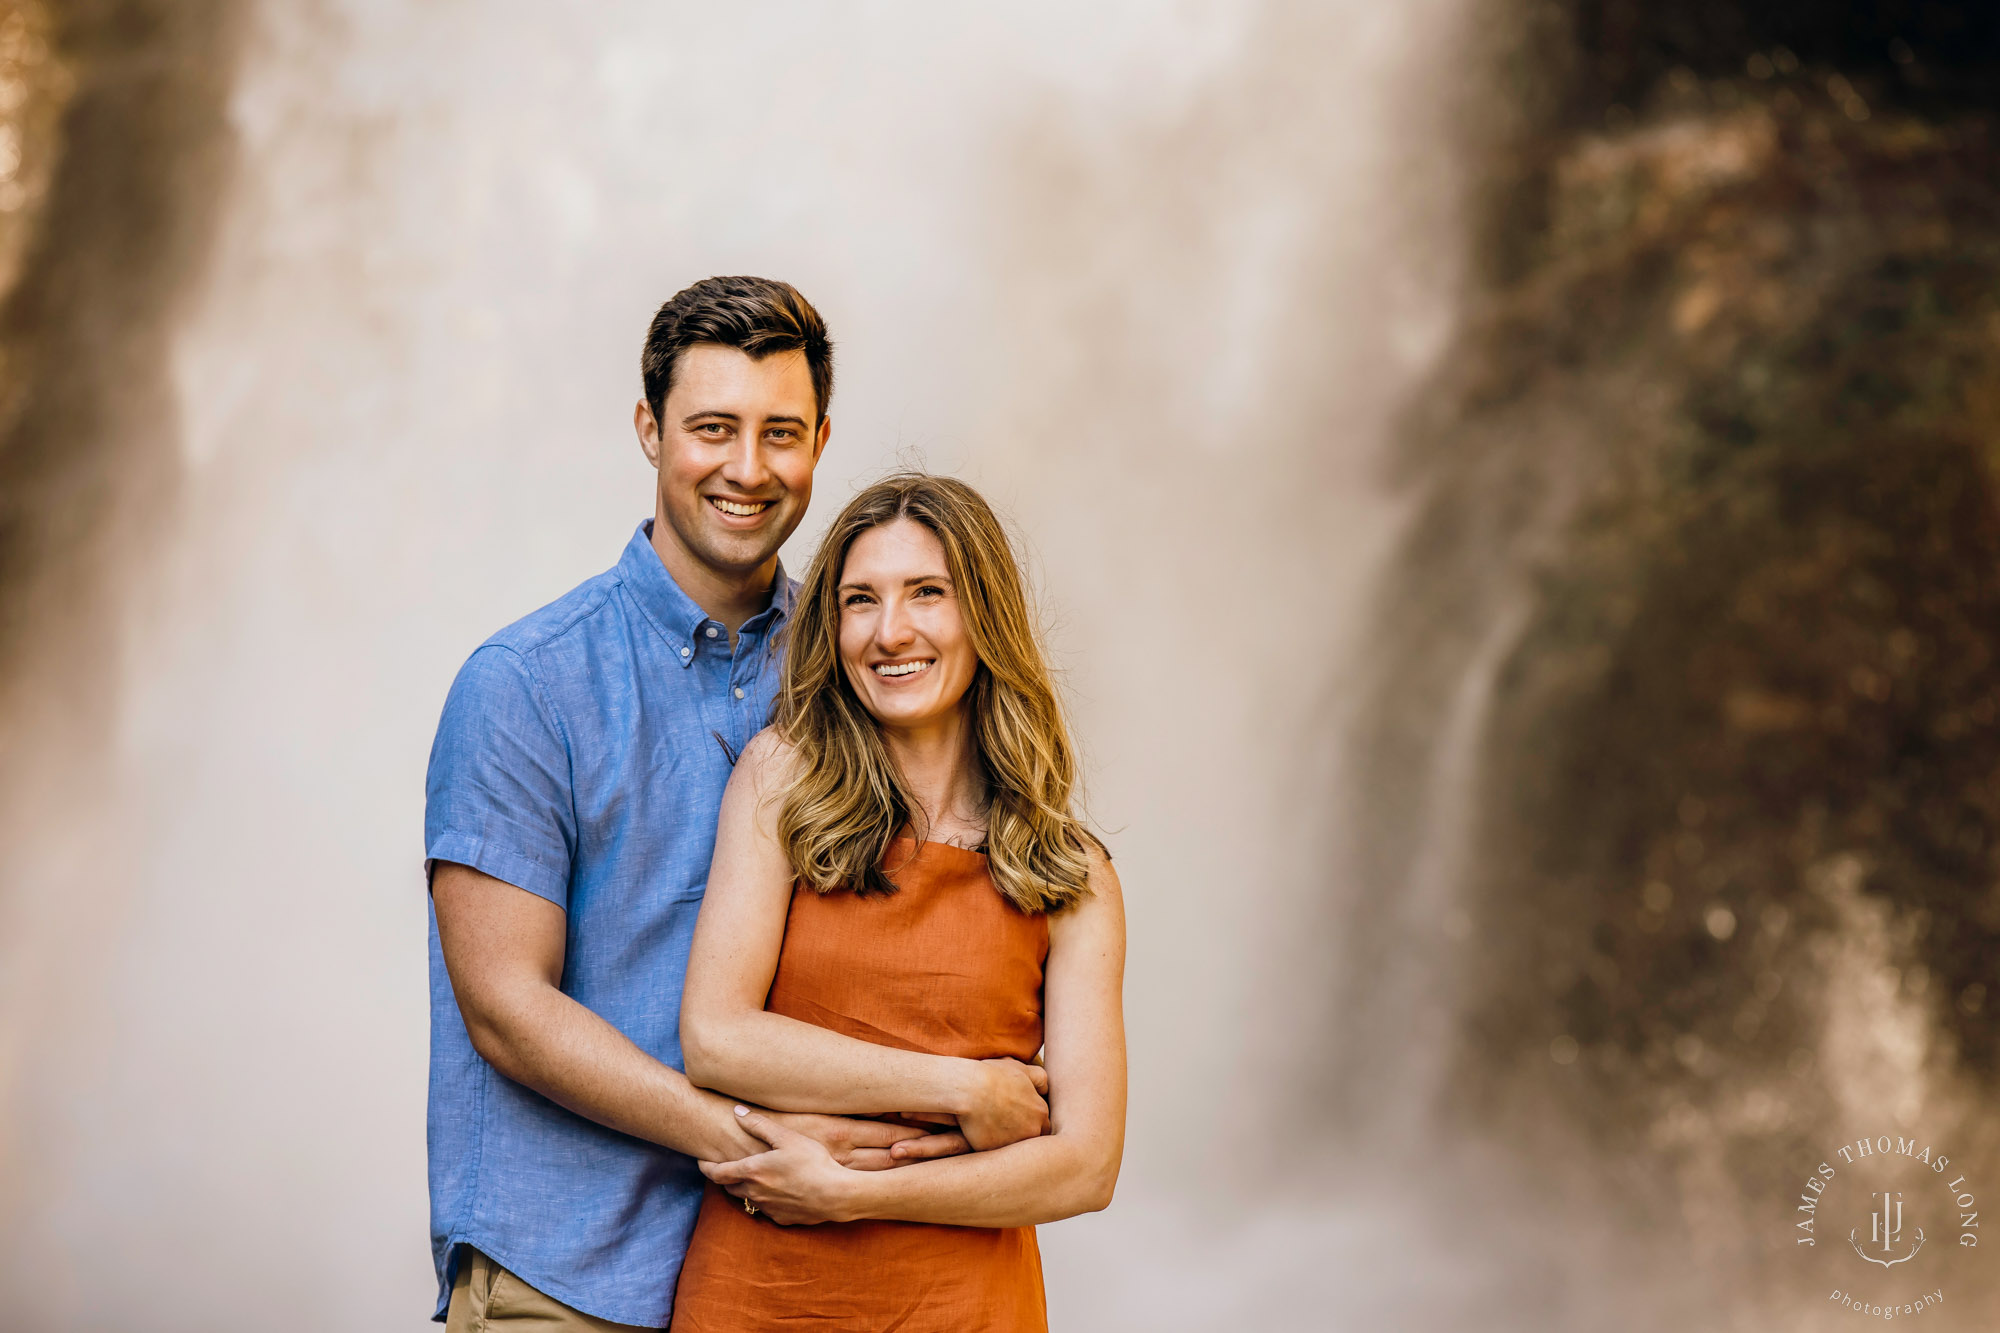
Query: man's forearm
[[549, 1042]]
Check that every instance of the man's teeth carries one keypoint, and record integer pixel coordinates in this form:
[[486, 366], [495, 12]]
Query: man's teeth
[[740, 510], [901, 669]]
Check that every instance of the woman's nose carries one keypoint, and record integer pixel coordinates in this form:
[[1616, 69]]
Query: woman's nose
[[893, 631]]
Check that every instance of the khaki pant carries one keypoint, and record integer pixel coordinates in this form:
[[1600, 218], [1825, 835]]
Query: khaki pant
[[484, 1295]]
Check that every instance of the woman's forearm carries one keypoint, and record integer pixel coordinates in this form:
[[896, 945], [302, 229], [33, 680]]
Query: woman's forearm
[[1024, 1184], [1073, 1169], [788, 1065]]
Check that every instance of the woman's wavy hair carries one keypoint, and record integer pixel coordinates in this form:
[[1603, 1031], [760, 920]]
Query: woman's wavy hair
[[847, 801]]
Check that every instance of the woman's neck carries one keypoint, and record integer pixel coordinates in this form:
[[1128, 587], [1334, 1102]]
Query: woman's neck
[[939, 767]]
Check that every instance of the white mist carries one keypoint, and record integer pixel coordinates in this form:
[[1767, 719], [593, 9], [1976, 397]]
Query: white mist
[[1156, 277]]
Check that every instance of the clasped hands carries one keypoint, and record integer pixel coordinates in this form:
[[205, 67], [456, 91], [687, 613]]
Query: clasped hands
[[811, 1171]]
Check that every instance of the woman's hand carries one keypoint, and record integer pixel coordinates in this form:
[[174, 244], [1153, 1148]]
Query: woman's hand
[[872, 1145], [797, 1183], [1008, 1103]]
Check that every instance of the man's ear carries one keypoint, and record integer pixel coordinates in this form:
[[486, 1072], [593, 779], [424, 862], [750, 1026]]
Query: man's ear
[[648, 431], [819, 441]]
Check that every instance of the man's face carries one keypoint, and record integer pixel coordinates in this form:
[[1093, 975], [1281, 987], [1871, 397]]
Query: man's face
[[735, 445]]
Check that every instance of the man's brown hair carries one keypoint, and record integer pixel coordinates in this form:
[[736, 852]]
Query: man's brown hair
[[758, 316]]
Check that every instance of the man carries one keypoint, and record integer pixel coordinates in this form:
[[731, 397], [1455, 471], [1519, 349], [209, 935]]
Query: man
[[572, 801]]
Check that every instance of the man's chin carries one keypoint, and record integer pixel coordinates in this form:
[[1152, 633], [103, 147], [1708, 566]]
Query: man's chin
[[731, 552], [737, 558]]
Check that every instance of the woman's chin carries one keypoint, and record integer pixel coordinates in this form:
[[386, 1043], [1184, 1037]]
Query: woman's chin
[[906, 714]]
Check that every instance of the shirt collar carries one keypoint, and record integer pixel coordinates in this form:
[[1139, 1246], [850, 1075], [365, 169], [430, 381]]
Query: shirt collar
[[677, 617], [783, 590]]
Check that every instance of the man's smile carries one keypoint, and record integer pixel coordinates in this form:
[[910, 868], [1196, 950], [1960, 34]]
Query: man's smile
[[740, 508]]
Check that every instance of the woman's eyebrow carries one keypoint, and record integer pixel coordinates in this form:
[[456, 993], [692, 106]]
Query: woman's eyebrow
[[911, 582]]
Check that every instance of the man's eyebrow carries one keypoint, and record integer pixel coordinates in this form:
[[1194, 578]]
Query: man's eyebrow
[[693, 417], [793, 421]]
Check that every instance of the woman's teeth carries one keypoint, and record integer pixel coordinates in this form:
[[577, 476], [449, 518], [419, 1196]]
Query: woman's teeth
[[901, 668], [740, 510]]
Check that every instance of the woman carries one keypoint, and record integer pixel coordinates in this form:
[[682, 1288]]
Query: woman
[[904, 909]]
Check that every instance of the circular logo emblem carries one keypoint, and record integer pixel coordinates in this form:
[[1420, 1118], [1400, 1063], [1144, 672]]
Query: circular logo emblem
[[1886, 1220]]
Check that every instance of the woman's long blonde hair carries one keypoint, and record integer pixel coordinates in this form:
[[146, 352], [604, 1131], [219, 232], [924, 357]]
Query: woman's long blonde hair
[[847, 801]]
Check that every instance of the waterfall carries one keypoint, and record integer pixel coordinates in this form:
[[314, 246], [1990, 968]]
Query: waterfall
[[1510, 486], [1157, 281]]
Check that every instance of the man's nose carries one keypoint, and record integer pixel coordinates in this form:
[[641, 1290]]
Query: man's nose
[[746, 466]]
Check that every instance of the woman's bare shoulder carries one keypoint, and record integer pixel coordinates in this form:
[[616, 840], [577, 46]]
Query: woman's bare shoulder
[[1093, 926], [1104, 895], [767, 763], [766, 749], [1103, 876]]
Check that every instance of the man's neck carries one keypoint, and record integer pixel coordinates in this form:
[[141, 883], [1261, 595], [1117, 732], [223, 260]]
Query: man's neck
[[724, 597]]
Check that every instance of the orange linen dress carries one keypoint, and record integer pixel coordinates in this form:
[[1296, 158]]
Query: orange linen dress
[[944, 965]]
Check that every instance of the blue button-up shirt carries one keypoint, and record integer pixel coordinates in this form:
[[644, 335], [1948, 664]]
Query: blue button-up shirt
[[582, 757]]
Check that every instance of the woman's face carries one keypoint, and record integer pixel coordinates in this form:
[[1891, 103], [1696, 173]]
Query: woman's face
[[902, 638]]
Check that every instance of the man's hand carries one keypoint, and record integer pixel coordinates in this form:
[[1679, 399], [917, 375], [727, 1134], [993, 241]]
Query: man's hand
[[797, 1183], [865, 1145], [1010, 1104]]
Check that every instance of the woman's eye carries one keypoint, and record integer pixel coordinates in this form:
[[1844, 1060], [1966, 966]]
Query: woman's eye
[[855, 599]]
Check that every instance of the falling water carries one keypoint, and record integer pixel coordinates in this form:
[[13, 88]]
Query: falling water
[[1426, 672], [1158, 281]]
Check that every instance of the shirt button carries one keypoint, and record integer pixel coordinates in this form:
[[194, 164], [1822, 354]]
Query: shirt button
[[739, 691], [711, 631], [686, 651]]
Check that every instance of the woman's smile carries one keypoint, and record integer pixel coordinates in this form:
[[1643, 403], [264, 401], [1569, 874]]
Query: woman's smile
[[903, 670]]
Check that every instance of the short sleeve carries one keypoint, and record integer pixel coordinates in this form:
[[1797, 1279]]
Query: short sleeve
[[498, 797]]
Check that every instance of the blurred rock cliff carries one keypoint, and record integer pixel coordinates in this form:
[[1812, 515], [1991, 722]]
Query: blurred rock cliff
[[1707, 499]]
